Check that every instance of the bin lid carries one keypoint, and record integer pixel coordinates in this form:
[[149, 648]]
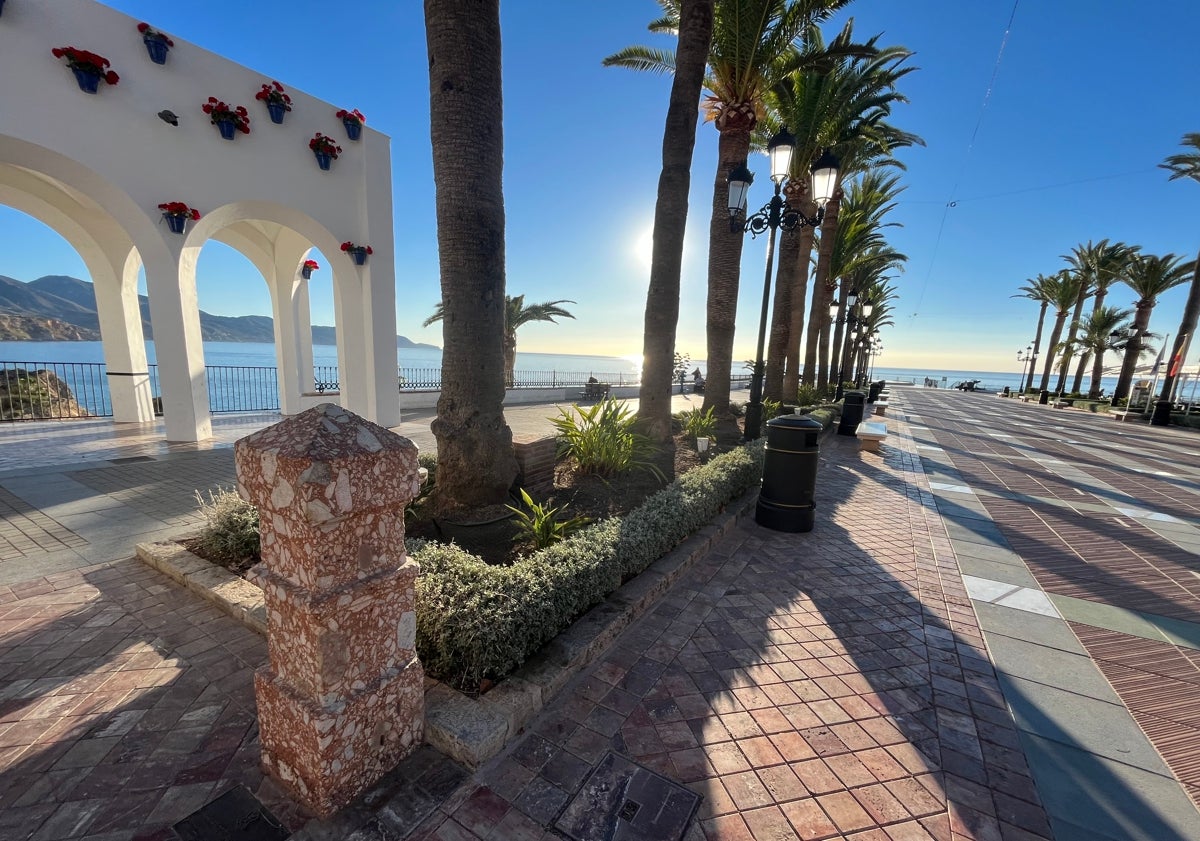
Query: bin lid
[[794, 422]]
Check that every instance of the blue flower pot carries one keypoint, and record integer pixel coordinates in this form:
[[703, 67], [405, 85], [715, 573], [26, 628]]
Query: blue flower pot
[[228, 129], [359, 255], [157, 48], [323, 160], [175, 223], [306, 273], [276, 110], [353, 128], [88, 82]]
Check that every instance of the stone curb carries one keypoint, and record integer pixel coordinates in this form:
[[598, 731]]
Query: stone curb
[[473, 730]]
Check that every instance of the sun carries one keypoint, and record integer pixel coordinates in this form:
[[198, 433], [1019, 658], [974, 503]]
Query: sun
[[643, 249]]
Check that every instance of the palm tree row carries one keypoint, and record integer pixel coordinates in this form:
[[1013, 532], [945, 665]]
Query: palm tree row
[[769, 66], [1090, 272]]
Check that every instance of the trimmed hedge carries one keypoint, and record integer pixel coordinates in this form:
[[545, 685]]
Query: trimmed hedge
[[476, 621]]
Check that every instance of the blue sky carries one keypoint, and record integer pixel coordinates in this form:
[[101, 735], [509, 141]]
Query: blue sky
[[1089, 96]]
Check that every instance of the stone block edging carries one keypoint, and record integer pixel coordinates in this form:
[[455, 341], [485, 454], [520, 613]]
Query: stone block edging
[[473, 730]]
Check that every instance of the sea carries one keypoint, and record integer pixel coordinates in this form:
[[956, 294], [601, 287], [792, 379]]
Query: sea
[[615, 369]]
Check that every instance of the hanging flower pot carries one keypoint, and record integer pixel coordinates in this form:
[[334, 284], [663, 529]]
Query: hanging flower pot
[[228, 119], [176, 214], [353, 121], [277, 100], [325, 149], [308, 268], [88, 82], [357, 252], [88, 67], [157, 43]]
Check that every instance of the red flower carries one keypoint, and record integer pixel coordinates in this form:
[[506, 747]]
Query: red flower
[[312, 265], [219, 112], [86, 62], [178, 208], [323, 145], [148, 32], [349, 246], [275, 93], [354, 116]]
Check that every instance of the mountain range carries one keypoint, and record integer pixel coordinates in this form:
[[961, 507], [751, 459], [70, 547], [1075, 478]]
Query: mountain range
[[63, 308]]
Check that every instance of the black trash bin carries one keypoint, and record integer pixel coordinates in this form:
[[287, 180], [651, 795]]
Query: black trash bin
[[1006, 391], [785, 502], [1044, 397], [873, 391], [852, 412]]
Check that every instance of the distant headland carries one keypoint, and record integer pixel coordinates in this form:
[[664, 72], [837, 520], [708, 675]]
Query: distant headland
[[59, 308]]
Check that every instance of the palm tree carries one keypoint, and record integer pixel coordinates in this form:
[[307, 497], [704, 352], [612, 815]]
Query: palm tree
[[670, 219], [1101, 264], [1083, 290], [1148, 277], [1062, 290], [516, 314], [1096, 336], [818, 104], [476, 464], [1184, 165], [750, 39], [1038, 289]]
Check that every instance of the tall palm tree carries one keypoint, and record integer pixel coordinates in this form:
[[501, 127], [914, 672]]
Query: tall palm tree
[[1038, 289], [1062, 289], [670, 219], [1148, 276], [1101, 264], [1183, 165], [516, 314], [818, 104], [1096, 337], [1083, 290], [750, 39], [476, 464]]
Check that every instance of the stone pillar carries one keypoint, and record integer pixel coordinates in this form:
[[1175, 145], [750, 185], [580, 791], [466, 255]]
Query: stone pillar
[[341, 700]]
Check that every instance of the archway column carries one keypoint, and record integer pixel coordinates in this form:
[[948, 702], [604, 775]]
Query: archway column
[[125, 361], [351, 331], [302, 313], [175, 314]]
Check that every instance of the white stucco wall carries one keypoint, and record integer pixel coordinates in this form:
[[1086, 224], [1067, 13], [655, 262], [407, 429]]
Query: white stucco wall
[[101, 164]]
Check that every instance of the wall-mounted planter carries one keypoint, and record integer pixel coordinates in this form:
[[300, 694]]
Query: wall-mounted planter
[[88, 82], [228, 129], [323, 161], [175, 223], [359, 255], [276, 110], [157, 47], [353, 129]]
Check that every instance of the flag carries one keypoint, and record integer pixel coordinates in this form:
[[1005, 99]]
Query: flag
[[1158, 362], [1178, 360]]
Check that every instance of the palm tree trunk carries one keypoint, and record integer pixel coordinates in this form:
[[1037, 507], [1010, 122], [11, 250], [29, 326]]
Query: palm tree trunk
[[1133, 351], [510, 357], [670, 220], [476, 465], [724, 261], [1072, 332], [1187, 328], [1055, 335], [817, 338], [1097, 376], [1084, 358], [791, 374], [1037, 342], [781, 316]]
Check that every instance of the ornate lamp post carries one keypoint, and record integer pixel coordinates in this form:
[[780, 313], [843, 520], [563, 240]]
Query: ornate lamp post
[[856, 314], [776, 214], [1025, 357]]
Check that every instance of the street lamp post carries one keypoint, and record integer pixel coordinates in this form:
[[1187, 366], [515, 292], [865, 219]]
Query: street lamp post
[[776, 214], [856, 313], [1025, 357]]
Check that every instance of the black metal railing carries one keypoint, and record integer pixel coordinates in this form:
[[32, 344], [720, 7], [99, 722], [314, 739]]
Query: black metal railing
[[59, 390]]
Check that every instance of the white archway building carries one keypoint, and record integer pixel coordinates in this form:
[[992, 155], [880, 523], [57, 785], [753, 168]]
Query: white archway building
[[95, 167]]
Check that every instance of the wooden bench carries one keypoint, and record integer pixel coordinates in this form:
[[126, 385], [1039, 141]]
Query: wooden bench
[[595, 391], [869, 434]]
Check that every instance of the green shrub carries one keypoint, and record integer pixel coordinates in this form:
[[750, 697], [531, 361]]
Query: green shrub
[[770, 408], [230, 533], [540, 524], [476, 621], [697, 424], [603, 441], [810, 395]]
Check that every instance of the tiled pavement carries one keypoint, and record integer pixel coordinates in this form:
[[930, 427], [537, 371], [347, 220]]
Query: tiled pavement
[[819, 686]]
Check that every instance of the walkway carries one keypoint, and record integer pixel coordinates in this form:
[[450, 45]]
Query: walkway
[[837, 684]]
